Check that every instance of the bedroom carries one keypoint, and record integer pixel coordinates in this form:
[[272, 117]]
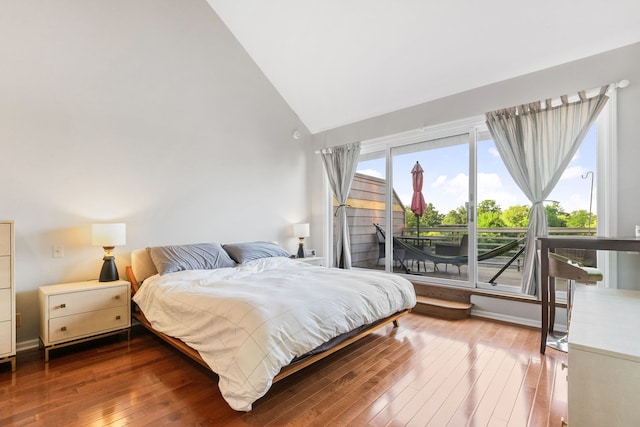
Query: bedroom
[[131, 117]]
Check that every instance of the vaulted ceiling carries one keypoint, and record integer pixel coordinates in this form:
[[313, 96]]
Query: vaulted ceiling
[[340, 61]]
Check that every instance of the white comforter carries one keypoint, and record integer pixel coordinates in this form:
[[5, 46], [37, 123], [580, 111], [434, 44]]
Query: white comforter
[[248, 322]]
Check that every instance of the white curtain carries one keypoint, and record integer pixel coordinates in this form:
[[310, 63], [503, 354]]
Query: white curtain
[[341, 163], [536, 142]]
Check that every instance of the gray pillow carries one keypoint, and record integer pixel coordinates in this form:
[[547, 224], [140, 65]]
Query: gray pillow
[[201, 256], [248, 251]]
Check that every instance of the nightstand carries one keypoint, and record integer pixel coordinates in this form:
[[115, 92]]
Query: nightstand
[[71, 313], [313, 260]]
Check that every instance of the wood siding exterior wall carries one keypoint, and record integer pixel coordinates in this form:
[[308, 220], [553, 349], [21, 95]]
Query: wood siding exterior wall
[[366, 206]]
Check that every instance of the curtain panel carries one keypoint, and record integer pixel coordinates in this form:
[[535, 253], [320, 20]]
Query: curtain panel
[[341, 164], [536, 142]]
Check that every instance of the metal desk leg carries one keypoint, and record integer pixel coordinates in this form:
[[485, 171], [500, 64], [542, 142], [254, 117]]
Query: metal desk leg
[[544, 288]]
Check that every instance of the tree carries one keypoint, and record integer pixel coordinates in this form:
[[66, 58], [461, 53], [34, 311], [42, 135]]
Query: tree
[[556, 217], [488, 206], [409, 217], [516, 216], [430, 218], [456, 217], [490, 220], [580, 219]]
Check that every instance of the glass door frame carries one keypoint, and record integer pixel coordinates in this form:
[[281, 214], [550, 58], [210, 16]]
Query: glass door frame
[[471, 127]]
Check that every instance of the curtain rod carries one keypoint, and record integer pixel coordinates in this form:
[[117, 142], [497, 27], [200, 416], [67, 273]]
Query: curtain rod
[[588, 92], [621, 84]]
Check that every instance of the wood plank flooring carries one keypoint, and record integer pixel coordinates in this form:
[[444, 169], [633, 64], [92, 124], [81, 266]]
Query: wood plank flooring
[[427, 372]]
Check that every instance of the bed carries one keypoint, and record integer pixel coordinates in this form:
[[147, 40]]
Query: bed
[[253, 315]]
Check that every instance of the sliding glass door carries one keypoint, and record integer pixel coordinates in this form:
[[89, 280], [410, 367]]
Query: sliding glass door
[[441, 208], [432, 238], [430, 208]]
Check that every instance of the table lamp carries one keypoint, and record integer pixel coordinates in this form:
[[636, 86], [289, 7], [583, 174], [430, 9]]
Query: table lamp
[[108, 236], [301, 231]]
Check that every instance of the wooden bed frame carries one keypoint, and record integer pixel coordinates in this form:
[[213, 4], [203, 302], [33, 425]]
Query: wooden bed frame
[[286, 370]]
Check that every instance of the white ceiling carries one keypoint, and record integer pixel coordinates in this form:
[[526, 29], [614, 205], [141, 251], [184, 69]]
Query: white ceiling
[[340, 61]]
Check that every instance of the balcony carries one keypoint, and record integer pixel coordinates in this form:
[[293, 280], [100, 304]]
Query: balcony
[[366, 252], [367, 205]]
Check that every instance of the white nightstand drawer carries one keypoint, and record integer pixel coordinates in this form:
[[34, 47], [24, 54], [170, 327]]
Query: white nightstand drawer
[[5, 272], [86, 324], [5, 304], [313, 260], [88, 300], [5, 338]]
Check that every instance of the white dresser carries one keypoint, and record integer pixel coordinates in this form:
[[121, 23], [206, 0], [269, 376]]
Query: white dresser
[[604, 358], [76, 312], [7, 296]]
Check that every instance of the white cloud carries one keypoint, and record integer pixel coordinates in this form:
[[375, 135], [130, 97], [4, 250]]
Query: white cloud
[[446, 193], [440, 181], [371, 172], [572, 172], [490, 187], [489, 181], [574, 202], [405, 198], [494, 151]]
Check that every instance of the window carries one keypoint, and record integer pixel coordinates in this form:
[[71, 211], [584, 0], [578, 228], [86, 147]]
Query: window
[[473, 207]]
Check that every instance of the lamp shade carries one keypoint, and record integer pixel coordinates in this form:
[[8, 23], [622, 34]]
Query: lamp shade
[[108, 235], [301, 230]]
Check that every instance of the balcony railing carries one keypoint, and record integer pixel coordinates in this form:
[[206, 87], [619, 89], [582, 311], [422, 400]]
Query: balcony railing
[[488, 239]]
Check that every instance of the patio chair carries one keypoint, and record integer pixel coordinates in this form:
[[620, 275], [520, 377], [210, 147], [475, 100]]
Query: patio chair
[[454, 249], [398, 253]]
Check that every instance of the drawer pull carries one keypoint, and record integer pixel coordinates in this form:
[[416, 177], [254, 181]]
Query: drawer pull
[[63, 305], [117, 296], [64, 328], [117, 317], [564, 366]]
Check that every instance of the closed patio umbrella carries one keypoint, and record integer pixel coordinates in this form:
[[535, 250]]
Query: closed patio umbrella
[[418, 204]]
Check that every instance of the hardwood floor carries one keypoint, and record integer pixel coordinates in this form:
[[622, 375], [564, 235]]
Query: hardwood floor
[[427, 372]]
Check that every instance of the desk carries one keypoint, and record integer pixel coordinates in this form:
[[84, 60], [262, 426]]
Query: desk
[[550, 244]]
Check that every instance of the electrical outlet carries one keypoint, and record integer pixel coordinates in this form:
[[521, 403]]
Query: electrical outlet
[[57, 251], [18, 320]]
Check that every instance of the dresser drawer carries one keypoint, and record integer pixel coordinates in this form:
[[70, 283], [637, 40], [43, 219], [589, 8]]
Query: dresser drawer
[[5, 304], [5, 338], [5, 272], [5, 239], [86, 324], [87, 300]]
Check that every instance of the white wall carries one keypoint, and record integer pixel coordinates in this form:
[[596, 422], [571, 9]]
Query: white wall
[[146, 112], [588, 73]]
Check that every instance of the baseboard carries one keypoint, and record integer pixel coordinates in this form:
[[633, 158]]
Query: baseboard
[[506, 318], [27, 344]]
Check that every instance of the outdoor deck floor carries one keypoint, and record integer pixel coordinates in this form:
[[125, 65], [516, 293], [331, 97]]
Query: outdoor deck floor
[[510, 277]]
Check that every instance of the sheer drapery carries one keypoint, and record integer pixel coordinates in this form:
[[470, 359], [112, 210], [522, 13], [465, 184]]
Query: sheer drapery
[[341, 163], [536, 142]]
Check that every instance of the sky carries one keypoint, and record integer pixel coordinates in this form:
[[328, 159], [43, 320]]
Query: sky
[[446, 177]]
